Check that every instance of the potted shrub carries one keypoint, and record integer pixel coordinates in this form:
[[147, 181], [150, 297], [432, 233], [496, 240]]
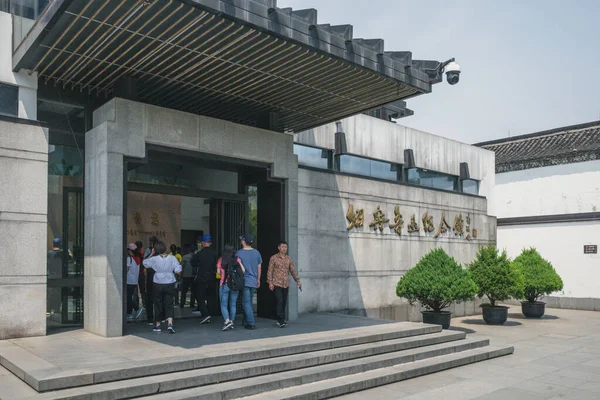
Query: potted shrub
[[498, 280], [435, 282], [540, 279]]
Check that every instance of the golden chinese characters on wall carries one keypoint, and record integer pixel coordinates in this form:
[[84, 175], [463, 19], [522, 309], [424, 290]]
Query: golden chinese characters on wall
[[427, 222], [379, 220], [153, 214], [398, 222], [355, 219]]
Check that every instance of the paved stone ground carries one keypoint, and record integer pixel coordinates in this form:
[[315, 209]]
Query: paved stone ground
[[557, 357], [77, 349]]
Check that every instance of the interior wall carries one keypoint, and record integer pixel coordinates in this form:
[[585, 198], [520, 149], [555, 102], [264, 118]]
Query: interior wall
[[195, 215], [152, 214]]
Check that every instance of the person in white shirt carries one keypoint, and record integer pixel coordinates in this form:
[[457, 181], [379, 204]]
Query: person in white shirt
[[133, 275], [165, 267]]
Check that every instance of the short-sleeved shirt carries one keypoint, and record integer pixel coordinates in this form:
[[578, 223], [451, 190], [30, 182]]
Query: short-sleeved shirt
[[164, 266], [250, 260], [187, 266], [133, 271]]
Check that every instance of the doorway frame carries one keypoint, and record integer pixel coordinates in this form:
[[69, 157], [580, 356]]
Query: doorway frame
[[175, 154]]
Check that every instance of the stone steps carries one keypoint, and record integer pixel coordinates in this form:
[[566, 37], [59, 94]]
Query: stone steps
[[40, 376], [344, 374], [362, 381], [264, 375], [298, 366]]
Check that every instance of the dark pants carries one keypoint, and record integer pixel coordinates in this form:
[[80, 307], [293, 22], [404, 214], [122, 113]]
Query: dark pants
[[150, 295], [164, 301], [188, 284], [142, 287], [281, 296], [206, 294], [133, 302]]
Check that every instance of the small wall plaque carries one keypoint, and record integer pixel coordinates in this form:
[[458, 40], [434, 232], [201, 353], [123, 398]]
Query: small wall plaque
[[590, 249]]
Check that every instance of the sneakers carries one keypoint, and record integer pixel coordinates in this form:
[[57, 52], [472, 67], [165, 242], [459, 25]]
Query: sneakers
[[139, 312], [250, 327], [206, 320], [196, 312], [282, 324], [170, 329], [227, 326], [156, 329]]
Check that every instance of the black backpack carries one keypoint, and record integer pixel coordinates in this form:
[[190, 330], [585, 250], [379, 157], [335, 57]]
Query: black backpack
[[235, 276]]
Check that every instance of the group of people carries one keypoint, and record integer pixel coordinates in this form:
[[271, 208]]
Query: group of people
[[156, 270]]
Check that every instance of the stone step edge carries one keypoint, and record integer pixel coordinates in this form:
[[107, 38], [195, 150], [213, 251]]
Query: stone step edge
[[56, 379], [385, 376], [268, 383], [195, 378]]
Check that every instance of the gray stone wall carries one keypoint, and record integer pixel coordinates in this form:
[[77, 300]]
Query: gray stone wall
[[23, 223], [372, 137], [357, 270]]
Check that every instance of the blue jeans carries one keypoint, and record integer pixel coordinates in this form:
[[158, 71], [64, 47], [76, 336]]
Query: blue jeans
[[228, 302], [247, 297]]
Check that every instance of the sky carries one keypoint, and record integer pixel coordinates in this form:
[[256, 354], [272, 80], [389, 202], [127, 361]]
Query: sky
[[527, 65]]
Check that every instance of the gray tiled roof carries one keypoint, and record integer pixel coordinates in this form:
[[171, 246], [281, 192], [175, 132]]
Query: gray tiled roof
[[569, 144]]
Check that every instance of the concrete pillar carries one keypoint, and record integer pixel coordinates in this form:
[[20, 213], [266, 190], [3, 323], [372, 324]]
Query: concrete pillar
[[103, 282], [291, 188], [23, 222]]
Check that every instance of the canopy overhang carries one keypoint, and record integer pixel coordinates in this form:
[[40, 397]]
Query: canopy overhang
[[238, 60]]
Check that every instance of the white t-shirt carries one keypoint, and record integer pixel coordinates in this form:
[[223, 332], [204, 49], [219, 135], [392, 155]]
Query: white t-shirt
[[133, 271], [164, 266]]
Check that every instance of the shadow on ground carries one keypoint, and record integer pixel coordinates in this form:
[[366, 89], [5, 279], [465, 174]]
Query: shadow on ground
[[482, 322], [461, 329], [521, 316], [190, 334]]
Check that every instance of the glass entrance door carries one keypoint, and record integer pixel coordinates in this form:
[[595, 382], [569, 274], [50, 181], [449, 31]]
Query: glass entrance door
[[65, 264]]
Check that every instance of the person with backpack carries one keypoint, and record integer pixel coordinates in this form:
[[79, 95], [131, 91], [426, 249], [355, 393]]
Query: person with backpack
[[280, 268], [232, 281]]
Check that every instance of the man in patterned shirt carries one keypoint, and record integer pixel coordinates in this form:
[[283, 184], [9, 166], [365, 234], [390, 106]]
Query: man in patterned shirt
[[280, 266]]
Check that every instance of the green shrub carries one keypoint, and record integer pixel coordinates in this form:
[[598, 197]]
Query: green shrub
[[436, 281], [495, 276], [539, 275]]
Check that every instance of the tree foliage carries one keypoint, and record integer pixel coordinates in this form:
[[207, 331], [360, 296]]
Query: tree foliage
[[540, 277], [436, 281], [495, 275]]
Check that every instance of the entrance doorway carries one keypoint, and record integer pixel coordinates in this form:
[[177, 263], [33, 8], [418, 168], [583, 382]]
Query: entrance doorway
[[179, 196]]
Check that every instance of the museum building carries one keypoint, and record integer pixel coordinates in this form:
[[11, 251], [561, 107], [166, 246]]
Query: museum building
[[124, 119]]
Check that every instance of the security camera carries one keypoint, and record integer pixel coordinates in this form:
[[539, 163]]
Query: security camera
[[452, 71]]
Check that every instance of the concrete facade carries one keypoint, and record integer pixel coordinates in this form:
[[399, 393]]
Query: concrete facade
[[358, 269], [23, 219], [121, 129], [26, 83]]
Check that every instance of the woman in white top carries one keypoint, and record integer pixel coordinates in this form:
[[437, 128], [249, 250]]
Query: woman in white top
[[133, 274], [164, 266]]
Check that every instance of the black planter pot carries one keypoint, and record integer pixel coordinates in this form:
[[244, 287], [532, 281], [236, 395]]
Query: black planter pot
[[437, 318], [495, 315], [533, 310]]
